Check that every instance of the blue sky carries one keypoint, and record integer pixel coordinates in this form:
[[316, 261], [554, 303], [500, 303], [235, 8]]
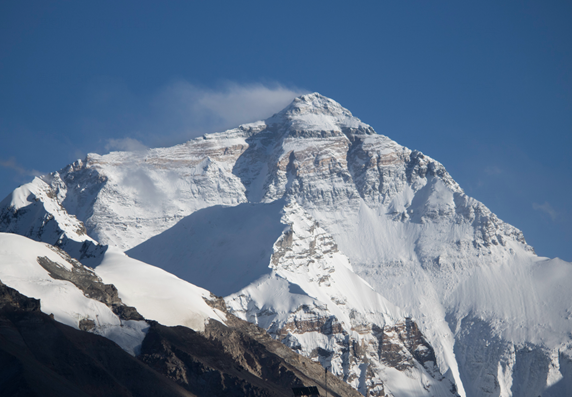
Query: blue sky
[[484, 87]]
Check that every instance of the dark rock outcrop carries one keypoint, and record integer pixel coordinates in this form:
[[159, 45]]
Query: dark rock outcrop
[[11, 300], [239, 359], [90, 284]]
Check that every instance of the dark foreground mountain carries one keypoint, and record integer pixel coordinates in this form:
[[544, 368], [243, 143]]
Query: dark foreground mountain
[[240, 356], [42, 357]]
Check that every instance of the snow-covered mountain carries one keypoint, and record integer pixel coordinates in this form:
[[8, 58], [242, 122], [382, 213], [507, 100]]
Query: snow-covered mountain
[[351, 249]]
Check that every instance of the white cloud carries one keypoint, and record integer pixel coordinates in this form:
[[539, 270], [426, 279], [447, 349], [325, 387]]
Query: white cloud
[[192, 110], [547, 209], [147, 190], [12, 164]]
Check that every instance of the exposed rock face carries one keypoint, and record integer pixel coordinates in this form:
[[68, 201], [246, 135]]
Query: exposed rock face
[[298, 364], [238, 359], [225, 362], [412, 339], [91, 285], [12, 300]]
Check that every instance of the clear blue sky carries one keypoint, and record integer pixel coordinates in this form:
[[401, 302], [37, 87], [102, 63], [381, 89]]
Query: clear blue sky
[[485, 87]]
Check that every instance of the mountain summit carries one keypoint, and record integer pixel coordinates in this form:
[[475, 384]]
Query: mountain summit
[[347, 247], [314, 112]]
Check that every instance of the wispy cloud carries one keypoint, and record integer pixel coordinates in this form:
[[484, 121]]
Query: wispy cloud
[[147, 190], [493, 170], [547, 209], [204, 109], [21, 171], [177, 111]]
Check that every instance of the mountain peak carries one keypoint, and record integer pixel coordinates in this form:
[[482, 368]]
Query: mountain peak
[[315, 112], [315, 103]]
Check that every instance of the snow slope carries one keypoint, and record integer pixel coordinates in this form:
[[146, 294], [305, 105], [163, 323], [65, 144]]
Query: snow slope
[[19, 269], [222, 249], [156, 294]]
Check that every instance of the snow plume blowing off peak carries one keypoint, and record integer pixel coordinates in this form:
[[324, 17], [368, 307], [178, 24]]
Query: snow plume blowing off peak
[[178, 111]]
